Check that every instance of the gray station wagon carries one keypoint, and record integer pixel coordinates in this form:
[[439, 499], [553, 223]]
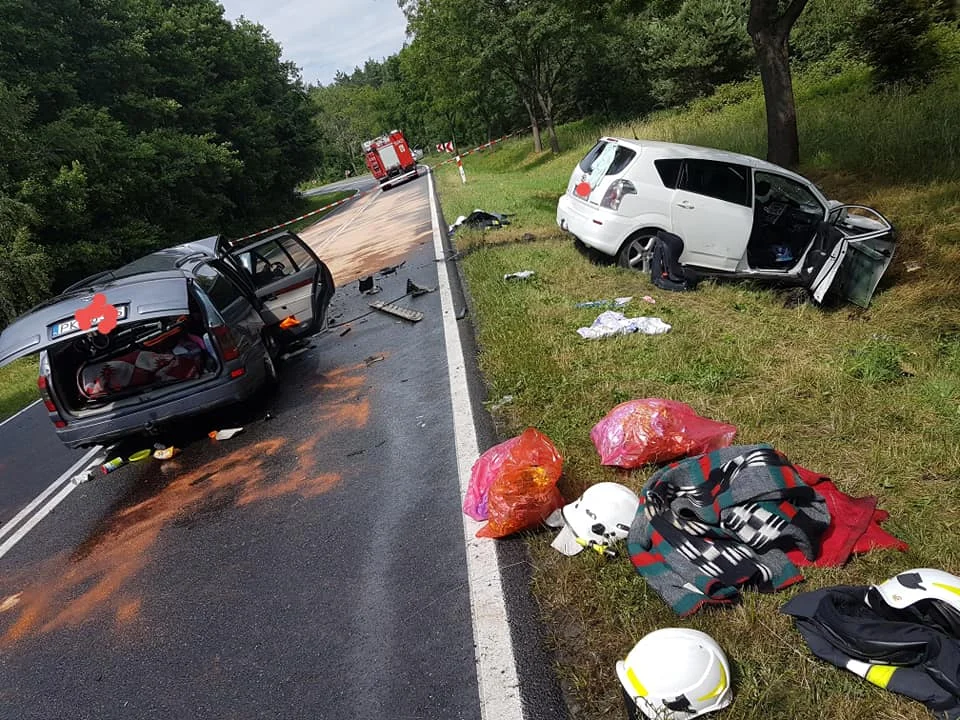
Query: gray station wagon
[[198, 326]]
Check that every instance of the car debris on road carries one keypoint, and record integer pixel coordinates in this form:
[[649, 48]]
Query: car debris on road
[[224, 434]]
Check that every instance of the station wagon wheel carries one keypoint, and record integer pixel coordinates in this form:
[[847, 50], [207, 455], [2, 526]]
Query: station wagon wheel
[[637, 251], [272, 349]]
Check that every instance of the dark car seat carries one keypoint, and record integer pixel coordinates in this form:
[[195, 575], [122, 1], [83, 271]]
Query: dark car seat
[[666, 272]]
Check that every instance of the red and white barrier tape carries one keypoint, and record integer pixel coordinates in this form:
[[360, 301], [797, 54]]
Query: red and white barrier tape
[[483, 147], [302, 217]]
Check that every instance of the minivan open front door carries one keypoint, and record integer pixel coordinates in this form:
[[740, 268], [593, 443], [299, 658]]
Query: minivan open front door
[[285, 274], [856, 263]]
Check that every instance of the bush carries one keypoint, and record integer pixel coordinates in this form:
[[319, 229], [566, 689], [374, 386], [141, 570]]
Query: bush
[[24, 276], [895, 37]]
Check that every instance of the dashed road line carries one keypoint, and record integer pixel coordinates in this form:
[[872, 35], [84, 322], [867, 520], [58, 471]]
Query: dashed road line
[[28, 518]]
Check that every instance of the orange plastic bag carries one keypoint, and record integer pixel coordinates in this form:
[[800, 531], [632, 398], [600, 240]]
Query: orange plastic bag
[[524, 490], [529, 448]]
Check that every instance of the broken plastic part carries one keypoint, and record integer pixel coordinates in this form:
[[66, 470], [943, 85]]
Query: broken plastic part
[[224, 434]]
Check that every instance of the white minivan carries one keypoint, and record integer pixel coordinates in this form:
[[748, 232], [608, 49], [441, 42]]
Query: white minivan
[[736, 216]]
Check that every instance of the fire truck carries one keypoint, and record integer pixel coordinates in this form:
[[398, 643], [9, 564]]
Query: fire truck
[[390, 158]]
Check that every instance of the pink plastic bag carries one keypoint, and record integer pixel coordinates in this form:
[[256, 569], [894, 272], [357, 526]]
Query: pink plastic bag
[[653, 430], [530, 449]]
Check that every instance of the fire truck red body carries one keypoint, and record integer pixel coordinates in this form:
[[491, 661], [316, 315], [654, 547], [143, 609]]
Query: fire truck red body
[[389, 158]]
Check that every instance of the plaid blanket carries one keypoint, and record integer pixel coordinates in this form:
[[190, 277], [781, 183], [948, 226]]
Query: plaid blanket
[[709, 525]]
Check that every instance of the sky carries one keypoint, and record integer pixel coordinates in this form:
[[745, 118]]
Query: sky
[[323, 36]]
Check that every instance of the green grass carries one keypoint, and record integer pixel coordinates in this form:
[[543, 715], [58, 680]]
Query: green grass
[[870, 398], [18, 386]]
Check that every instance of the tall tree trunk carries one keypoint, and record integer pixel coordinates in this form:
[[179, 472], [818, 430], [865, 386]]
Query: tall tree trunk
[[783, 142], [769, 30], [535, 126], [546, 104]]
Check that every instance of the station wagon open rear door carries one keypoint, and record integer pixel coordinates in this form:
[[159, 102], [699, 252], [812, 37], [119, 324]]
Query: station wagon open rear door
[[58, 320]]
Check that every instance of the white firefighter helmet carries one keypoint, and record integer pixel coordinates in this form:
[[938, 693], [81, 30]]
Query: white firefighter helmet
[[675, 674], [925, 595], [598, 518]]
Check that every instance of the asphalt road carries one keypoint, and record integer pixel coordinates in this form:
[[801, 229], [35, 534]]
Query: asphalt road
[[311, 567], [31, 458]]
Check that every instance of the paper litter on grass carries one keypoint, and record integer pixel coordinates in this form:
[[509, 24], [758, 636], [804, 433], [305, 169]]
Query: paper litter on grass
[[615, 303], [611, 323]]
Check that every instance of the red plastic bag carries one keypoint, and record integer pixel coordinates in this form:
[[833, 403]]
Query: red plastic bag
[[654, 430], [530, 449]]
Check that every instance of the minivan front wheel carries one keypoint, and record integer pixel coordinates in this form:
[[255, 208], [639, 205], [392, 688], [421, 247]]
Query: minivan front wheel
[[636, 252]]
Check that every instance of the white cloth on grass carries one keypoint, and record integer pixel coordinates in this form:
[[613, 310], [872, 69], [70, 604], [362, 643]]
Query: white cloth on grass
[[615, 323]]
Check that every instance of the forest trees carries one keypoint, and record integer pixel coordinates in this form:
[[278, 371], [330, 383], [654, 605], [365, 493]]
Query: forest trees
[[129, 125]]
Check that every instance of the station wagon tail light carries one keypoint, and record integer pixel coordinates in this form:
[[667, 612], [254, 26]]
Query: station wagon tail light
[[226, 341], [615, 194], [47, 398]]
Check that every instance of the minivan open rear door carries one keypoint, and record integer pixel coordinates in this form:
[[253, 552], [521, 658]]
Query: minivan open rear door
[[56, 320], [856, 263]]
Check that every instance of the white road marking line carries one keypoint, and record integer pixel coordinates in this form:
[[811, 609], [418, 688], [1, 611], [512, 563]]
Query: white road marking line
[[349, 222], [45, 510], [19, 412], [496, 670]]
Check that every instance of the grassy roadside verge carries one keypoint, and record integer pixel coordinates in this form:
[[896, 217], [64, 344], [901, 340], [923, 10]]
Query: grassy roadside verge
[[18, 380], [871, 398], [18, 386]]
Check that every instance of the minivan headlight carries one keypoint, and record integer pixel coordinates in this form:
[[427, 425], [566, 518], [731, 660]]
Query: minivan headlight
[[615, 194]]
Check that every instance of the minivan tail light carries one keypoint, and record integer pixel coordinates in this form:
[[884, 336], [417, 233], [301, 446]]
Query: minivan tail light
[[615, 194], [226, 341]]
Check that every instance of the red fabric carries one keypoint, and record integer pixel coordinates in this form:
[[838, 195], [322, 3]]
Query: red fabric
[[854, 525]]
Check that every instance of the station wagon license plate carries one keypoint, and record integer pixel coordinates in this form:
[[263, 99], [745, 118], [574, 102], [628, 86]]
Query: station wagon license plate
[[67, 327]]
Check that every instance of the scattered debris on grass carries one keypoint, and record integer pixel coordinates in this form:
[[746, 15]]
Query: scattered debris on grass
[[522, 275], [612, 323], [505, 400], [479, 220], [615, 303]]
